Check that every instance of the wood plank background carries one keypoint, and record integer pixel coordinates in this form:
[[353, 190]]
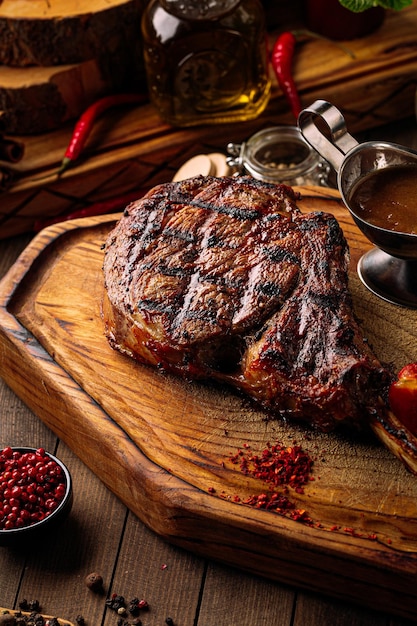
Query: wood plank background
[[132, 149]]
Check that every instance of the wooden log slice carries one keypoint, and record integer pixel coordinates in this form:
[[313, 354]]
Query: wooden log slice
[[39, 99], [54, 32]]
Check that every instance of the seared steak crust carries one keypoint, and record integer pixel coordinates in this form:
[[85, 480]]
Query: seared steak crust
[[227, 279]]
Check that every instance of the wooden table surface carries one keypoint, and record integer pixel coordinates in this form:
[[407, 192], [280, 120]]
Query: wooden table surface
[[102, 535]]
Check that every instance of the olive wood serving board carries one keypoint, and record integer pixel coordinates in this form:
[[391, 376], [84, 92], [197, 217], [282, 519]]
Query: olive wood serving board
[[163, 445]]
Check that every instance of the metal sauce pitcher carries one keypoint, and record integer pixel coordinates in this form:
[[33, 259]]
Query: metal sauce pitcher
[[390, 269]]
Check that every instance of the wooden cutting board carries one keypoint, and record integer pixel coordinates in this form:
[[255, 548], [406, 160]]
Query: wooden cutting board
[[164, 445]]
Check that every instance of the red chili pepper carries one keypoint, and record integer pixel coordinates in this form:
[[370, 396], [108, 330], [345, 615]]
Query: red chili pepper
[[282, 61], [85, 124], [98, 208]]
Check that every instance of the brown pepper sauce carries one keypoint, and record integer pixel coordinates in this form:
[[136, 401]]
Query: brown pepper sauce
[[387, 198]]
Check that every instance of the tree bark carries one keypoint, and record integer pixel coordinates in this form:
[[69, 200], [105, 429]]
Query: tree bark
[[55, 32]]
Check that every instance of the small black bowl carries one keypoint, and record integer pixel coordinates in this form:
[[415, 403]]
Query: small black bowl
[[35, 531]]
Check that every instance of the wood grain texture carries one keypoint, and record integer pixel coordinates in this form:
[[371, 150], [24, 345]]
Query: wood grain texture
[[160, 444]]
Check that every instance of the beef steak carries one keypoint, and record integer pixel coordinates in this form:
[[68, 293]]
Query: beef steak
[[225, 278]]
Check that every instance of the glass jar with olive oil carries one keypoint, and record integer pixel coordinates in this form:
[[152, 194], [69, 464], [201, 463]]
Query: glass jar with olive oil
[[206, 60]]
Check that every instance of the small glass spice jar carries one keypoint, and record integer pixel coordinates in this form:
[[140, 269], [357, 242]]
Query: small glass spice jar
[[279, 155], [206, 61]]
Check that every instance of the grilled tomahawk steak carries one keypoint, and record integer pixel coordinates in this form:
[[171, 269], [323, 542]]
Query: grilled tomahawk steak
[[225, 278]]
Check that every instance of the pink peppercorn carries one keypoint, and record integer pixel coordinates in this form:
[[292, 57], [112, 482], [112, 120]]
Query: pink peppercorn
[[32, 485]]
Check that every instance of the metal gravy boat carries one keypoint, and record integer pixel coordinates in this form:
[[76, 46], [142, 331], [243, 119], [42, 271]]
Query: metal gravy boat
[[390, 269]]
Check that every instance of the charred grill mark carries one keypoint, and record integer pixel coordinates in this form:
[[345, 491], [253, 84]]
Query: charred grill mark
[[239, 213], [269, 289], [278, 254], [345, 336], [334, 235], [178, 198], [314, 222], [181, 235], [328, 301], [181, 272], [214, 241], [151, 306], [275, 359], [226, 282], [201, 314]]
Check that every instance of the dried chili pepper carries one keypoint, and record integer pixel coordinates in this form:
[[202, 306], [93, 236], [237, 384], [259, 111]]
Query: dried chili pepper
[[282, 62], [282, 59], [85, 124]]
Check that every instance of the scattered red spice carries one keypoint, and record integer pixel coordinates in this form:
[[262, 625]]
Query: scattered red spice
[[284, 468], [277, 465], [279, 503]]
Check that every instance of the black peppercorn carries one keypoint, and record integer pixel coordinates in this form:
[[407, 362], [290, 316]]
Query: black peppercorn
[[116, 602], [7, 619], [169, 621], [133, 606], [80, 620]]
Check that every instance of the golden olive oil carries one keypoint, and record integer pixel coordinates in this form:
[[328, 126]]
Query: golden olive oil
[[206, 61]]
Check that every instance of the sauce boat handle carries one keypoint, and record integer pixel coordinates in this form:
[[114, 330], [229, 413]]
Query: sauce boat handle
[[337, 143]]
